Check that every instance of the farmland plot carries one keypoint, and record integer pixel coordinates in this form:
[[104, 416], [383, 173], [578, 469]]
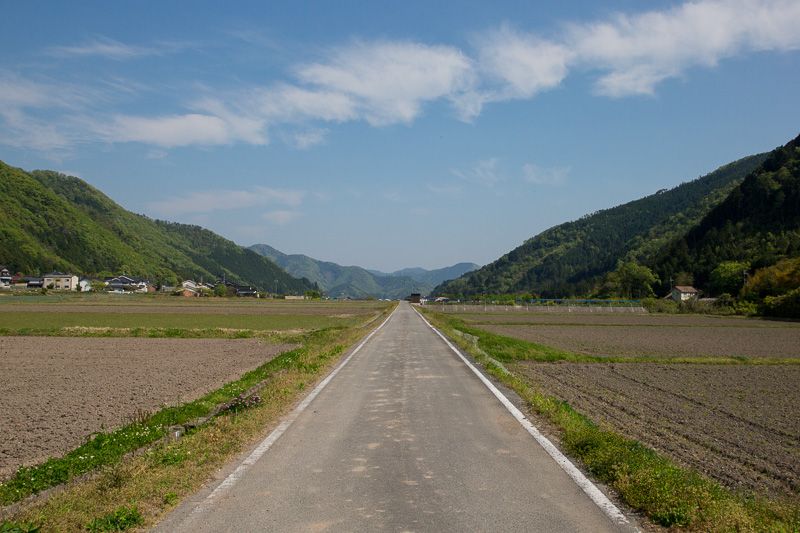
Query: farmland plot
[[56, 391], [661, 341], [737, 423]]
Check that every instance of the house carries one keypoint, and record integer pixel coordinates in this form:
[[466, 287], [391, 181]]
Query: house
[[187, 292], [683, 293], [246, 290], [129, 284], [61, 281], [5, 277], [35, 283]]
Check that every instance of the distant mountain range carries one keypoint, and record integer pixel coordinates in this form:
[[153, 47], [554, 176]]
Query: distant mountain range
[[49, 221], [337, 280]]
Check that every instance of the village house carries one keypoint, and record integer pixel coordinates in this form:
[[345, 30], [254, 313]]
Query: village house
[[683, 293], [5, 277], [129, 284]]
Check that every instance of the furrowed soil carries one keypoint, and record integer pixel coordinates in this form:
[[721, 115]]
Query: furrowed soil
[[737, 423], [662, 341], [55, 391]]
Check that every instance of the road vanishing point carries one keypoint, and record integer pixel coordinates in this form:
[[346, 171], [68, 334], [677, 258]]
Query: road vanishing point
[[406, 434]]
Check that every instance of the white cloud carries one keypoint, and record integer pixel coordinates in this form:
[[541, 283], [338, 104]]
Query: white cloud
[[642, 50], [281, 218], [220, 200], [545, 176], [523, 64], [390, 81], [184, 130], [484, 173]]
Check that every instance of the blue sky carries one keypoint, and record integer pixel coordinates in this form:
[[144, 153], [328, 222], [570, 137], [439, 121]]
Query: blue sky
[[392, 134]]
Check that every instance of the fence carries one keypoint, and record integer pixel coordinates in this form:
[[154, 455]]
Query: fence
[[540, 306]]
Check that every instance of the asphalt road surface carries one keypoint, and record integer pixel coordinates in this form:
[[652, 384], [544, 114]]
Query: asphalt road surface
[[404, 437]]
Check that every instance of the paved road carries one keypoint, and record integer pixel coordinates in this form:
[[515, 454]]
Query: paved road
[[404, 438]]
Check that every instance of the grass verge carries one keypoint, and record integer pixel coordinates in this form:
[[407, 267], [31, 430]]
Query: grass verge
[[154, 481], [668, 494]]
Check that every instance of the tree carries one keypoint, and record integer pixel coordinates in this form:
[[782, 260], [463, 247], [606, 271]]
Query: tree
[[220, 290], [632, 280], [727, 277]]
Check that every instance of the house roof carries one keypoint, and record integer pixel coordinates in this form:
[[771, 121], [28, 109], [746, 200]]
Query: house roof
[[685, 288]]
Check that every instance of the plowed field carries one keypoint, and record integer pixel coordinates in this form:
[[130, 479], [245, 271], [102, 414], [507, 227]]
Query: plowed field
[[737, 423], [54, 392]]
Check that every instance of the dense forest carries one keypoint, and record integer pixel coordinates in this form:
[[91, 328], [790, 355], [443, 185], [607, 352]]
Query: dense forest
[[748, 245], [49, 221], [569, 260]]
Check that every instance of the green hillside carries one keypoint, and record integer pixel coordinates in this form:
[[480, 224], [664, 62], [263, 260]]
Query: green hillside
[[568, 260], [49, 221], [756, 226], [337, 280]]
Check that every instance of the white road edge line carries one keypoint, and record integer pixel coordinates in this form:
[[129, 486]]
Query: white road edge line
[[600, 499], [228, 483]]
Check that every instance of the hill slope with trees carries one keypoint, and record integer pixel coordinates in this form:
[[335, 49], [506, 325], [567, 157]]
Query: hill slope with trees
[[49, 221], [570, 259], [755, 229]]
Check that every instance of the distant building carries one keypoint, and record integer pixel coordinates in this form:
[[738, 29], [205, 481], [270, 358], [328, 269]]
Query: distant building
[[683, 293], [415, 297], [60, 281]]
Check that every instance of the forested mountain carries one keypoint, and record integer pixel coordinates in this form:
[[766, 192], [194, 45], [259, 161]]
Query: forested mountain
[[49, 221], [337, 280], [436, 276], [568, 260], [755, 227]]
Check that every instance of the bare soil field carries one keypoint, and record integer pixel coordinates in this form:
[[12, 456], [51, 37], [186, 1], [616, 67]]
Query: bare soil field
[[739, 424], [340, 310], [665, 341], [55, 391], [625, 320]]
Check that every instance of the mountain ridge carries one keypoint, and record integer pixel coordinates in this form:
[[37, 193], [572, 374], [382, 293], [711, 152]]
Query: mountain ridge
[[338, 280]]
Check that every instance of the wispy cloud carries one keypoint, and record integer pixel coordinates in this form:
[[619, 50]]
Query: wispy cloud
[[483, 173], [220, 200], [281, 218], [104, 47], [545, 176]]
